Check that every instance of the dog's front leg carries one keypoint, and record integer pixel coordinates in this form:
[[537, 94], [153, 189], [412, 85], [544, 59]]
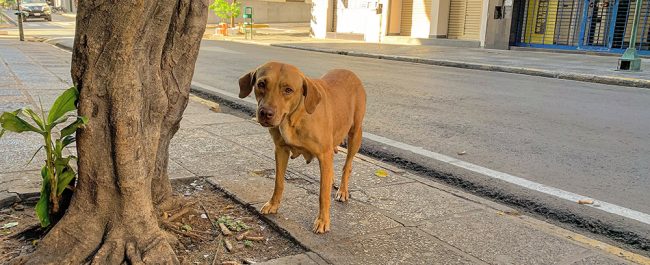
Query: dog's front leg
[[326, 161], [281, 160]]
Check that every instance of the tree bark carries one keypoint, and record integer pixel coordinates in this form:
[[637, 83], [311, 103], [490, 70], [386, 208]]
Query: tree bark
[[133, 63]]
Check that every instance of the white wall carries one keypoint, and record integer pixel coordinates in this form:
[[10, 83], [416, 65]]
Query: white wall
[[320, 18], [272, 12]]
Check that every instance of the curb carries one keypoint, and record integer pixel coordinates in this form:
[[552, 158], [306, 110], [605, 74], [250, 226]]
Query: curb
[[8, 18], [607, 80]]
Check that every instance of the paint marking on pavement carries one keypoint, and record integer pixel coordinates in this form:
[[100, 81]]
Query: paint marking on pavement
[[573, 197]]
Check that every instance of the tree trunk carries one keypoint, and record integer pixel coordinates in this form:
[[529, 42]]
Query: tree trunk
[[133, 63]]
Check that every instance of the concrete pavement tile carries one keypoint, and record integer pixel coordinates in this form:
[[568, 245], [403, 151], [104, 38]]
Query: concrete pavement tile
[[176, 171], [362, 176], [16, 160], [238, 128], [25, 182], [300, 259], [10, 92], [20, 141], [398, 246], [11, 106], [414, 202], [194, 107], [254, 189], [261, 143], [501, 239], [347, 220], [215, 164], [211, 118], [198, 142], [8, 198], [599, 260]]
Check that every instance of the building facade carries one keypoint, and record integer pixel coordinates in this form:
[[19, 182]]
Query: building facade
[[595, 25]]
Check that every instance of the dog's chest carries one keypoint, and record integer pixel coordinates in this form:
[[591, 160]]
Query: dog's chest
[[293, 140]]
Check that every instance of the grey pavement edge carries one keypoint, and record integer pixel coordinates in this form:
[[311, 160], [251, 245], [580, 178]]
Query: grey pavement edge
[[401, 218], [8, 17], [608, 80]]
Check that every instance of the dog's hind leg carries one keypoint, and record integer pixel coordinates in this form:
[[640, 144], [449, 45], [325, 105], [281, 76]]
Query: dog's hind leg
[[354, 143]]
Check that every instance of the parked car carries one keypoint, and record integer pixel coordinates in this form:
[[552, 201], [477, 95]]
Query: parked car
[[36, 9]]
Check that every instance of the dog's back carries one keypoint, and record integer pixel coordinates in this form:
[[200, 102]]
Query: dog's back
[[346, 98]]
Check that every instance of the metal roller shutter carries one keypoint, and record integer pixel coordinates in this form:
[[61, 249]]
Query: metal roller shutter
[[407, 18], [465, 19]]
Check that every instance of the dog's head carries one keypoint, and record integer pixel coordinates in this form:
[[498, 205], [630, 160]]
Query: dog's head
[[280, 89]]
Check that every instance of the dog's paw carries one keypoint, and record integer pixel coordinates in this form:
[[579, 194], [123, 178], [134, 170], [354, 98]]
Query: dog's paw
[[270, 208], [342, 195], [321, 226]]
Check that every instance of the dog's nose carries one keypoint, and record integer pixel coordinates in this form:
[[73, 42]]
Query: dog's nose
[[266, 113]]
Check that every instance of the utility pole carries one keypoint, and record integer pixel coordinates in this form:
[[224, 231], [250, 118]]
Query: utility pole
[[20, 20], [630, 60]]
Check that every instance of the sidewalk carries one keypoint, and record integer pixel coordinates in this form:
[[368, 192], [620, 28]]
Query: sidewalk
[[579, 67], [398, 219]]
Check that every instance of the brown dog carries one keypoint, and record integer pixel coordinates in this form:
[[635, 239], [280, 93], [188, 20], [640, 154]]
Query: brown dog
[[308, 117]]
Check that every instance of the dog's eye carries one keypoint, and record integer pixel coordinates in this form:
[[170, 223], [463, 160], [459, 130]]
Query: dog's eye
[[288, 90], [261, 85]]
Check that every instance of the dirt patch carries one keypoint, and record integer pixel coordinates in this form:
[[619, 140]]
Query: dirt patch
[[196, 225]]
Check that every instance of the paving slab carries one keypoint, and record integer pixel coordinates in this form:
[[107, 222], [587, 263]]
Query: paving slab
[[599, 260], [259, 143], [397, 246], [24, 183], [251, 189], [499, 239], [237, 129], [198, 142], [347, 220], [210, 118], [8, 198], [362, 176], [176, 171], [414, 202], [300, 259]]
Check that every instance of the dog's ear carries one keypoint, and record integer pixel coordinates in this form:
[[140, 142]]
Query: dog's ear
[[311, 91], [246, 83]]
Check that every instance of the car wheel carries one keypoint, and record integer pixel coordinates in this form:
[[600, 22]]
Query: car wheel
[[48, 18]]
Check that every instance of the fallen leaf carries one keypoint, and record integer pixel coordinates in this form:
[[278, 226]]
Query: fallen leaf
[[9, 225], [186, 228], [586, 201], [381, 173]]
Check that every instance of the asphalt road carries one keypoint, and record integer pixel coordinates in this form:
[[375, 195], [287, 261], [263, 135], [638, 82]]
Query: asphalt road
[[59, 27], [585, 138]]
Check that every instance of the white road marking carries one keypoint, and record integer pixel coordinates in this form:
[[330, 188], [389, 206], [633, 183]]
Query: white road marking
[[570, 196]]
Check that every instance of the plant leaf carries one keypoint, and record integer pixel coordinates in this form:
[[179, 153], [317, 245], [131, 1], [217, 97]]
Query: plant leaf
[[64, 179], [64, 103], [57, 122], [72, 128], [38, 120], [2, 132], [11, 122], [68, 140], [35, 153], [42, 207]]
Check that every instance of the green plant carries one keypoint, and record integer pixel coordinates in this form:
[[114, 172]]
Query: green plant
[[225, 10], [248, 243], [232, 224], [57, 173]]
